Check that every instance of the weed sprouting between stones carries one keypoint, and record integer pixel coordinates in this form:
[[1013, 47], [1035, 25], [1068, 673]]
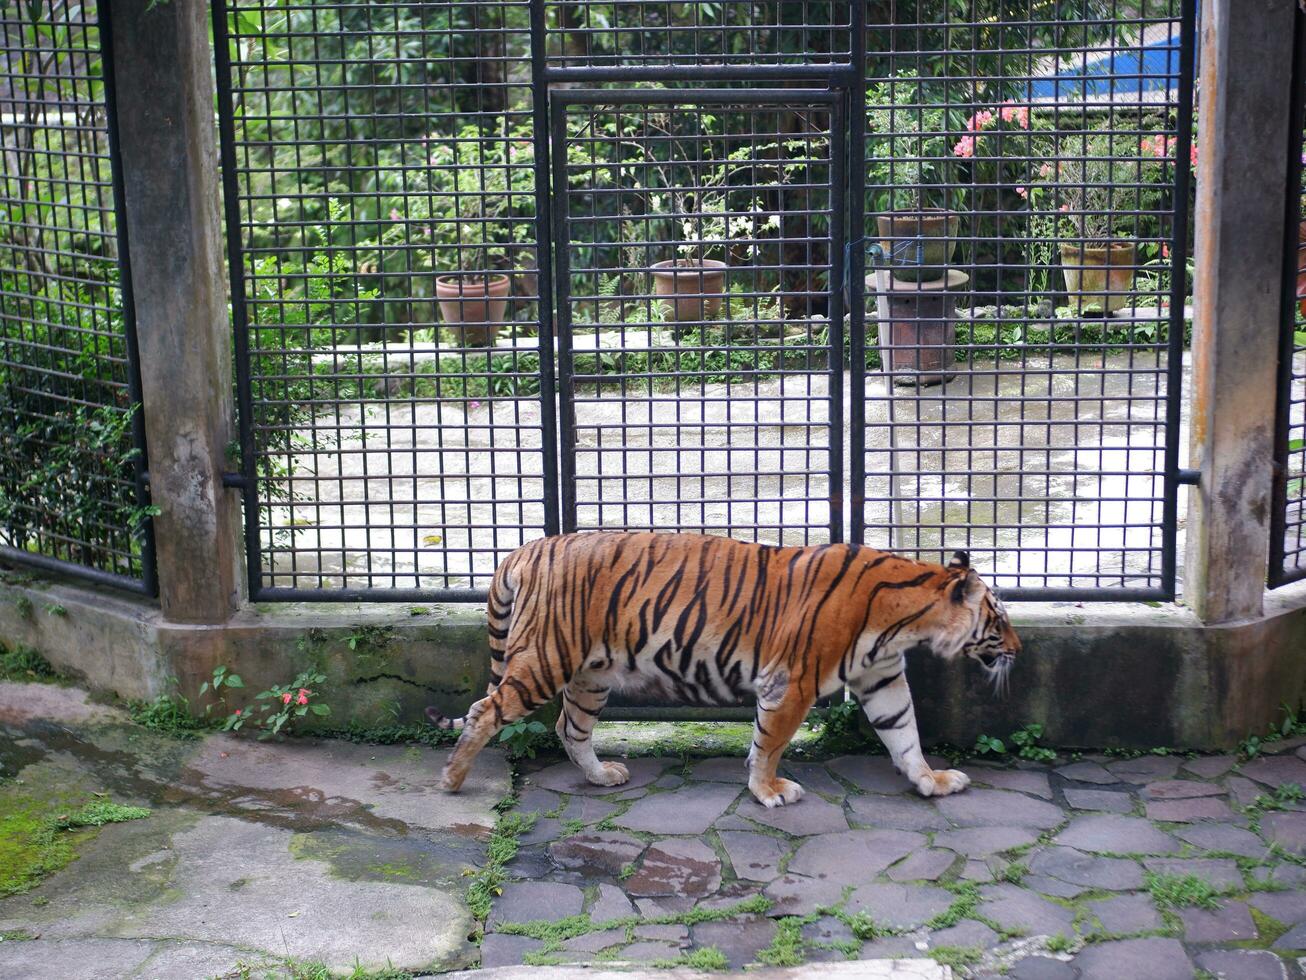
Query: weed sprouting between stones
[[703, 958], [502, 848], [554, 934], [1170, 892], [99, 813]]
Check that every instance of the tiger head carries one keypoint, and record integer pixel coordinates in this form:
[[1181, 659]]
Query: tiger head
[[975, 621]]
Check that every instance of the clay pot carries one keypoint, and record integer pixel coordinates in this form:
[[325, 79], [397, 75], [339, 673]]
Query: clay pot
[[1099, 277], [697, 286], [918, 245], [473, 306], [917, 326]]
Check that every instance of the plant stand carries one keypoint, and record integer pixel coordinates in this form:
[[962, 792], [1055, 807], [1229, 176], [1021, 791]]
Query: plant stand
[[917, 326]]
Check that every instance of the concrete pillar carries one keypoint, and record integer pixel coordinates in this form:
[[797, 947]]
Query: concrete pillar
[[1241, 178], [164, 98]]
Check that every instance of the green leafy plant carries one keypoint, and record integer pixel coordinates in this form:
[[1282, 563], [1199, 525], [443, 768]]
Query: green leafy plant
[[276, 709], [1026, 740], [99, 813], [25, 664], [524, 738], [988, 745]]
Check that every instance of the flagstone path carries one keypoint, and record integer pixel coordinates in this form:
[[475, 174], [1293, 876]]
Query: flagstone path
[[1076, 869], [262, 855]]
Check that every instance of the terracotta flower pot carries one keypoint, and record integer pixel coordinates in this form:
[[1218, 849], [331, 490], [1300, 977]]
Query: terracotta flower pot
[[1099, 277], [698, 287], [918, 245], [473, 306]]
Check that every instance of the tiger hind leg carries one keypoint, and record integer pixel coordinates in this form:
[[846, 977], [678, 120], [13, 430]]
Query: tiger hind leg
[[512, 700], [780, 710], [582, 701]]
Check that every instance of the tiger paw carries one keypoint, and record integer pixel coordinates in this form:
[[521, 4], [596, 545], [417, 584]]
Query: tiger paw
[[942, 782], [778, 792], [609, 774]]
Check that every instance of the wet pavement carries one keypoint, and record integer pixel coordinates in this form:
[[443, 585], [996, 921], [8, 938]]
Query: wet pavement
[[1093, 866], [252, 854]]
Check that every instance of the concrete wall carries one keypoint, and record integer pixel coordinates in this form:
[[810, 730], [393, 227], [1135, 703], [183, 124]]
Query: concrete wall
[[1098, 676]]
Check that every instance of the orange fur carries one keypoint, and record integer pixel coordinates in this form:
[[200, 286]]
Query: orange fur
[[709, 620]]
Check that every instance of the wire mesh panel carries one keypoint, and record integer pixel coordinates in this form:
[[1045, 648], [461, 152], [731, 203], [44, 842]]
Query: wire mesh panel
[[380, 180], [1027, 191], [695, 234], [1288, 520], [684, 39], [71, 438]]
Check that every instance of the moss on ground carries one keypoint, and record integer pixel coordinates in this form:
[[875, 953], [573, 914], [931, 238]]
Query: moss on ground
[[42, 826]]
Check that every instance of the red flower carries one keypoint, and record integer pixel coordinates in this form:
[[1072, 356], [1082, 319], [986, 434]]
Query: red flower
[[285, 698], [237, 712]]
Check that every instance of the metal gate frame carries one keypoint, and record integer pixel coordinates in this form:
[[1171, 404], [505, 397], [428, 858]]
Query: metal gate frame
[[832, 100], [1279, 572], [147, 583], [845, 87]]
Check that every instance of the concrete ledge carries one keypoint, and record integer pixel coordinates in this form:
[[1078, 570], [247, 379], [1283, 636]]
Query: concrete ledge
[[384, 661], [1132, 676]]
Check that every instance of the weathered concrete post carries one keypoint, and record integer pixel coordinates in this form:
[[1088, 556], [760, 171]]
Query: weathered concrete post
[[1241, 177], [164, 98]]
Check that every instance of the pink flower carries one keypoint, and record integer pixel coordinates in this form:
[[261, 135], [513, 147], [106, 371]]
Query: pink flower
[[1015, 113], [1192, 155], [978, 121], [474, 405], [395, 215], [1065, 207], [301, 700], [1022, 192], [1165, 251], [238, 712], [1045, 170], [965, 148], [285, 698]]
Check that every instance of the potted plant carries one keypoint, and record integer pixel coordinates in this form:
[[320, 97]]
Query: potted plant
[[1096, 191], [908, 178], [470, 208]]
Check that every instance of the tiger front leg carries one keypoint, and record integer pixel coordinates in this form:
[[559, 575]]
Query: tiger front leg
[[889, 709], [781, 708]]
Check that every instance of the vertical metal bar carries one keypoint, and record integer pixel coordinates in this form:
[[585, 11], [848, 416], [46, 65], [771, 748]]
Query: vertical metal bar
[[856, 282], [544, 265], [239, 310], [562, 282], [1178, 293], [838, 195], [1278, 571], [149, 569]]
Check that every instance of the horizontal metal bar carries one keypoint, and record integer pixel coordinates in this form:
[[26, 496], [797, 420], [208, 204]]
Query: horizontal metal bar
[[1089, 594], [834, 73], [1190, 478], [283, 594], [780, 97], [616, 711], [73, 569]]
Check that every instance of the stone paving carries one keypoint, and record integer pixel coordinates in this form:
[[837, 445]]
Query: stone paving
[[255, 855], [259, 857], [1086, 867]]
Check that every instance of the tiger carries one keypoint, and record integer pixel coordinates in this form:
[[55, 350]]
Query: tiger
[[708, 620]]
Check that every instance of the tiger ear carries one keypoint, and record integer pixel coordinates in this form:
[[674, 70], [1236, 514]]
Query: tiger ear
[[966, 587], [960, 559]]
